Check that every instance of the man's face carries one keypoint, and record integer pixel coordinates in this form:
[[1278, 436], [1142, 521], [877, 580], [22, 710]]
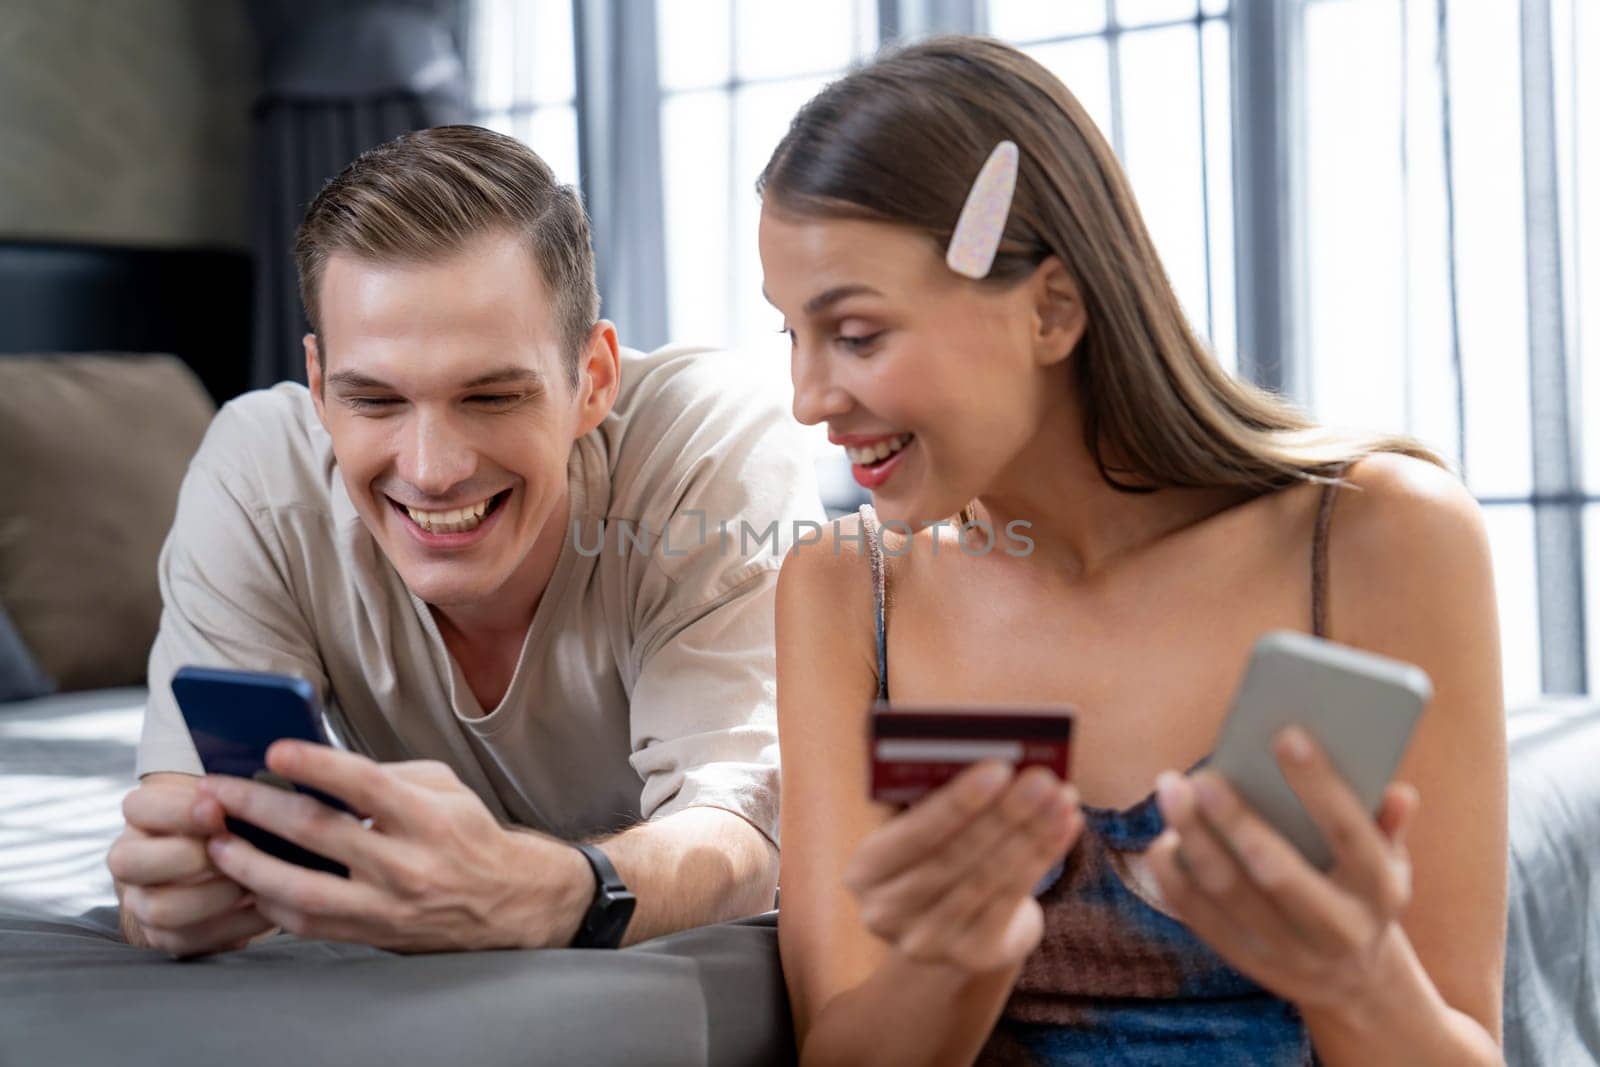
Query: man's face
[[444, 388]]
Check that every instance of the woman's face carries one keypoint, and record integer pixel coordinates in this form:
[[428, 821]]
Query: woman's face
[[932, 382]]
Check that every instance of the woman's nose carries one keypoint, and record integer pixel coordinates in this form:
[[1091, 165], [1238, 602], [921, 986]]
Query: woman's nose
[[816, 397]]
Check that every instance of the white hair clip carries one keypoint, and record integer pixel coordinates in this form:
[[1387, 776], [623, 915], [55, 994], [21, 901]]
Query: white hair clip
[[983, 217]]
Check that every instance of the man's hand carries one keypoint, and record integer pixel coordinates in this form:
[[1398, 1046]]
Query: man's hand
[[434, 871], [173, 898]]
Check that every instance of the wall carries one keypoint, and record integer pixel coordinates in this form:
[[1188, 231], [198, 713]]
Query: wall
[[126, 121]]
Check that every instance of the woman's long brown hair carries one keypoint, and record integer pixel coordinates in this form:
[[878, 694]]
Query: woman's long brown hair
[[900, 141]]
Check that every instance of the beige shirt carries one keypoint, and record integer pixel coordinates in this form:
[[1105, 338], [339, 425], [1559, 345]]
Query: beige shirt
[[645, 684]]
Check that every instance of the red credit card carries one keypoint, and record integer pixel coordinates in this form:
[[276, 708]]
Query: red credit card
[[917, 750]]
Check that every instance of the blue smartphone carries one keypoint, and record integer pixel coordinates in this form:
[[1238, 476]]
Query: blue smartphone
[[233, 717]]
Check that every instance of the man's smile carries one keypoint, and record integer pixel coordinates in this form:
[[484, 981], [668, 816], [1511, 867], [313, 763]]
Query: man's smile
[[463, 519]]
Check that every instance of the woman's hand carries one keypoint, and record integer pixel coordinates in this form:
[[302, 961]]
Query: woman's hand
[[951, 880], [1320, 940]]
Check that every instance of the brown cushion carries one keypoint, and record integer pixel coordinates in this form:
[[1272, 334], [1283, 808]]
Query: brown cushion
[[92, 449]]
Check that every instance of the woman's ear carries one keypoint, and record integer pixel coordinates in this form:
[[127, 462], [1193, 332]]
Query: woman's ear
[[1059, 315], [599, 376]]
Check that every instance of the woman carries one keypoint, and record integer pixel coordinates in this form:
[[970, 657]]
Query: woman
[[1171, 516]]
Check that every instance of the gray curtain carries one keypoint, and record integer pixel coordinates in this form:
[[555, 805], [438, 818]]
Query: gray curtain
[[1553, 385], [619, 152], [339, 77]]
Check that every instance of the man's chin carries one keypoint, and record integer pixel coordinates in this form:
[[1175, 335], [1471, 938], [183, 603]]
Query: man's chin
[[447, 590]]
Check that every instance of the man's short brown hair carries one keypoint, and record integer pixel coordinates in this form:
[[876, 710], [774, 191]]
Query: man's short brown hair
[[426, 194]]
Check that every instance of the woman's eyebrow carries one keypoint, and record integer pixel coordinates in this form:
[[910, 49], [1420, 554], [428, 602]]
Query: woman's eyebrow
[[827, 297], [832, 296]]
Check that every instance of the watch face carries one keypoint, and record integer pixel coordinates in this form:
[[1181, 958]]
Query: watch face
[[608, 920]]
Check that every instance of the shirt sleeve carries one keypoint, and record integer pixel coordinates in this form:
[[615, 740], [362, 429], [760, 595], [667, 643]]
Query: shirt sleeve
[[224, 603], [726, 471], [704, 710]]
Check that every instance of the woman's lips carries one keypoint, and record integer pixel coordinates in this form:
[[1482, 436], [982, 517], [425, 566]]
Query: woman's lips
[[873, 477]]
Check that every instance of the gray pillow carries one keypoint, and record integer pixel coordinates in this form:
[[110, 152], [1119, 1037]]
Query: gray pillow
[[21, 677]]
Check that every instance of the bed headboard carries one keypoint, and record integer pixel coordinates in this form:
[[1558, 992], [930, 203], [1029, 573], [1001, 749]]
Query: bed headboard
[[191, 303]]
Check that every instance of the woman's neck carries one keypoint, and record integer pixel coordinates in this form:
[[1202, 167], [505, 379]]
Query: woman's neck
[[1079, 523]]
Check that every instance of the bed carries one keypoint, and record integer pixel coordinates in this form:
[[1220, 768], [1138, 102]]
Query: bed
[[70, 992], [1552, 988]]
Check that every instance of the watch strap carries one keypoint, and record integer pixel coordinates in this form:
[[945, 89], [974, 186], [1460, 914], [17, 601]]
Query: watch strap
[[610, 911]]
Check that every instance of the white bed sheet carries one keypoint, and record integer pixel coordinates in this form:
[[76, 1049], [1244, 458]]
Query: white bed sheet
[[65, 764]]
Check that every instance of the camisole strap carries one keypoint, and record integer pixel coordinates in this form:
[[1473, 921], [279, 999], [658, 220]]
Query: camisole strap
[[1319, 557], [874, 539]]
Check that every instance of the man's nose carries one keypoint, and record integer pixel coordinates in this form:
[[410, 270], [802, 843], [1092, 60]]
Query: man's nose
[[436, 457], [816, 396]]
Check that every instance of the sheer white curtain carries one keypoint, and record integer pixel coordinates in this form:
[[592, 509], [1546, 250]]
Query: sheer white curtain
[[1450, 250]]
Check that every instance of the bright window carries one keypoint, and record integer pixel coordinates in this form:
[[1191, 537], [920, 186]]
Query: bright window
[[523, 82], [1156, 76], [1392, 303], [733, 73]]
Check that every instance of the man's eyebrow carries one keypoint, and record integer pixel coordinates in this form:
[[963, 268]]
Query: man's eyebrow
[[357, 380], [507, 376], [503, 376]]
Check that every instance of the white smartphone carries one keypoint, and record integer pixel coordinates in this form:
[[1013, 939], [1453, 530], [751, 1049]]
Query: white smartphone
[[1358, 706]]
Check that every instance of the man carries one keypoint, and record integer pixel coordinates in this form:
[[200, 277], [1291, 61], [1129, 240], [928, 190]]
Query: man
[[496, 544]]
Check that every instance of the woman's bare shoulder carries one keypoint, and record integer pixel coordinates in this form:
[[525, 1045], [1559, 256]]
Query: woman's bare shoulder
[[838, 561], [830, 564], [1407, 542], [825, 597], [1396, 508]]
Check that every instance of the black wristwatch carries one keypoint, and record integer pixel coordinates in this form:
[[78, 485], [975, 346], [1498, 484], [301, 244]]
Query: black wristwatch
[[611, 909]]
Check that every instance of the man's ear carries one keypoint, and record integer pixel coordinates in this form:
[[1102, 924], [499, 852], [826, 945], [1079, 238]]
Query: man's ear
[[314, 374], [599, 376], [1060, 319]]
